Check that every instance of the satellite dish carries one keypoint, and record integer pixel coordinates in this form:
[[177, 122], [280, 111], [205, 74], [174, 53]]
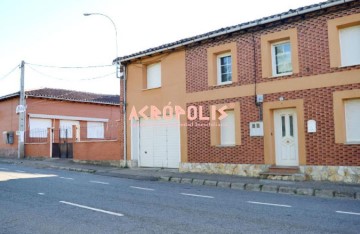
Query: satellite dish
[[20, 109]]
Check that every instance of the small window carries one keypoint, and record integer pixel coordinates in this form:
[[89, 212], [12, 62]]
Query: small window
[[350, 46], [281, 58], [352, 120], [153, 76], [227, 129], [224, 69], [95, 130]]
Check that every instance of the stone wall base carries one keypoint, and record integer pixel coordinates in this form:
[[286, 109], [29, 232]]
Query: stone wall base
[[346, 174], [115, 163]]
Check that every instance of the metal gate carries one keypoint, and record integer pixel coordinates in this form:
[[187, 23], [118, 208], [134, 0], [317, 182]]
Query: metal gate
[[62, 146]]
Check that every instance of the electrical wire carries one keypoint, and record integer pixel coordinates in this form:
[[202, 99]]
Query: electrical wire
[[69, 67], [12, 70], [60, 78]]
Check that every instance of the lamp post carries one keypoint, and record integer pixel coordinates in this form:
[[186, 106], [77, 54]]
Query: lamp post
[[118, 75], [116, 39]]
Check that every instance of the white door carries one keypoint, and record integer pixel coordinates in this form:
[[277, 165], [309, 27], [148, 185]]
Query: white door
[[159, 143], [286, 137], [66, 129]]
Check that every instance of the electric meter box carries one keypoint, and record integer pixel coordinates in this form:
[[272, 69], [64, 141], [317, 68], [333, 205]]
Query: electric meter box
[[256, 128]]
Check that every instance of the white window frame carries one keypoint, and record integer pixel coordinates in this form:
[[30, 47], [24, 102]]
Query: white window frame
[[153, 69], [273, 59], [347, 119], [95, 130], [349, 47], [228, 128], [218, 58]]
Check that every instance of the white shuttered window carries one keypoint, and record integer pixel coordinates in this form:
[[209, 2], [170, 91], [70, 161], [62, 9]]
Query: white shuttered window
[[95, 130], [39, 127], [227, 129], [153, 75], [350, 45], [352, 118]]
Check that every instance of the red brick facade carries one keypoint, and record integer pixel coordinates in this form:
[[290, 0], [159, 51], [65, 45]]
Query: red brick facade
[[314, 59]]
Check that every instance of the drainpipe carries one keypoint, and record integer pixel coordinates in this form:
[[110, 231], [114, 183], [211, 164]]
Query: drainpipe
[[125, 116]]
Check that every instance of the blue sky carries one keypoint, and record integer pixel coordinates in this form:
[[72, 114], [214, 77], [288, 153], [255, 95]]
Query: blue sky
[[55, 32]]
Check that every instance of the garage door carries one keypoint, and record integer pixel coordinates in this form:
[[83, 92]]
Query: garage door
[[159, 143]]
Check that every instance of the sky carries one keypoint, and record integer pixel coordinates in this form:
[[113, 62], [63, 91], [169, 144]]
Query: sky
[[56, 33]]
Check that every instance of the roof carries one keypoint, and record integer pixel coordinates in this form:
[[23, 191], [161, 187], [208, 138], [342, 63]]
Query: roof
[[231, 29], [69, 95]]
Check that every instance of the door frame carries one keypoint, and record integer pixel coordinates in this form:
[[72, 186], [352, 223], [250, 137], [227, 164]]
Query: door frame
[[269, 133]]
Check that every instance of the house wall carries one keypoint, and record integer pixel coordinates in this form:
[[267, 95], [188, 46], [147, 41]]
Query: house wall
[[310, 89], [171, 92], [313, 86], [9, 121]]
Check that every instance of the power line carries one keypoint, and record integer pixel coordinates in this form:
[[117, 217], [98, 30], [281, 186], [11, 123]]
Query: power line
[[12, 70], [60, 78], [69, 67]]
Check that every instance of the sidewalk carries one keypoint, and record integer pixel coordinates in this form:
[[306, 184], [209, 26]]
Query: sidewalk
[[306, 188]]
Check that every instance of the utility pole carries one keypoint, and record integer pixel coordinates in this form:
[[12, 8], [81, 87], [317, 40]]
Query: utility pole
[[21, 133]]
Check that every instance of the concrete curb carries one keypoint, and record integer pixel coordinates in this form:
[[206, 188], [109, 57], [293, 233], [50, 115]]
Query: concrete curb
[[267, 188]]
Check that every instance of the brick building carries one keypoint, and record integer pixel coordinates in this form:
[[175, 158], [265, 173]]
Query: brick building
[[86, 124], [289, 84]]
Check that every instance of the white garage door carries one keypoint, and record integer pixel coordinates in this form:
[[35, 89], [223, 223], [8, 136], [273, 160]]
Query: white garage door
[[159, 143]]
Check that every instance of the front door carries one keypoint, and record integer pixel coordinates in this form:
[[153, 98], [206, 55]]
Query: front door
[[286, 137]]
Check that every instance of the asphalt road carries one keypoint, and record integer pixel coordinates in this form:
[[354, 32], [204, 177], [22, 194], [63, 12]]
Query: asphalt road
[[54, 201]]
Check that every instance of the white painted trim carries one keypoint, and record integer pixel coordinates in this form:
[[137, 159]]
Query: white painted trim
[[196, 195], [141, 188], [63, 117], [346, 212]]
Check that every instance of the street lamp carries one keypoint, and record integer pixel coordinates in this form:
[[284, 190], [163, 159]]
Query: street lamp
[[116, 42], [118, 75]]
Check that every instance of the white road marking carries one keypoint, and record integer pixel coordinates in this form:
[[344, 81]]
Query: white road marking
[[345, 212], [66, 178], [41, 194], [268, 204], [91, 208], [98, 182], [195, 195], [1, 168], [148, 189], [19, 171]]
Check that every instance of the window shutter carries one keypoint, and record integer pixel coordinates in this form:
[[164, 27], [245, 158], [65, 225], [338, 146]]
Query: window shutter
[[352, 116], [350, 45], [38, 127], [95, 130], [227, 129], [153, 75]]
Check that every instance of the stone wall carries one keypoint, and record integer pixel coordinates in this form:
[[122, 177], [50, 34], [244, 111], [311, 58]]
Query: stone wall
[[346, 174]]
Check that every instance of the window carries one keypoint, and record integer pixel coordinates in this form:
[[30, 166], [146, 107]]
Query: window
[[66, 127], [224, 69], [39, 127], [222, 64], [346, 106], [153, 76], [279, 53], [281, 58], [227, 129], [344, 41], [352, 120], [95, 130], [350, 45]]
